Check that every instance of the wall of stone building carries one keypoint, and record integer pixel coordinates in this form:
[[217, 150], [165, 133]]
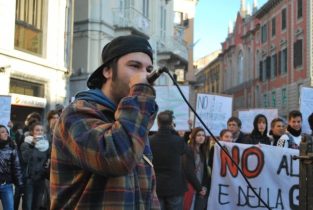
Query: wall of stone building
[[255, 51], [49, 69]]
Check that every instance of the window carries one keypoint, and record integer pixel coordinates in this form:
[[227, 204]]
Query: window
[[240, 68], [273, 99], [257, 96], [299, 9], [265, 102], [273, 27], [268, 67], [261, 70], [178, 18], [283, 61], [300, 85], [29, 26], [26, 88], [145, 8], [129, 3], [273, 66], [278, 63], [264, 71], [297, 55], [284, 97], [283, 19], [264, 33]]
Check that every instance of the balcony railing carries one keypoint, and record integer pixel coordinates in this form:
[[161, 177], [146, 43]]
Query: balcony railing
[[175, 46], [131, 18]]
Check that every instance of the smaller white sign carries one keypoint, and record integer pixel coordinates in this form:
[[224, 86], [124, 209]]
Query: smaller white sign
[[214, 111], [306, 107], [169, 98]]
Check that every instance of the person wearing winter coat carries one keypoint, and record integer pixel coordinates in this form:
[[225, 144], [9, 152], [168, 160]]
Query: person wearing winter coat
[[10, 170], [101, 157], [196, 169], [234, 125], [292, 136], [259, 132], [167, 149], [277, 130], [35, 152]]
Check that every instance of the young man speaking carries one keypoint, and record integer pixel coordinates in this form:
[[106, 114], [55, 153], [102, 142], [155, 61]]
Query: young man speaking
[[101, 158]]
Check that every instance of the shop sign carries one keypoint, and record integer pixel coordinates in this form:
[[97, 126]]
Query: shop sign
[[23, 100]]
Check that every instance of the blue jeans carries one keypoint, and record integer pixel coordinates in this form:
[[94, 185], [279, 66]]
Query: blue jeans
[[33, 194], [171, 202], [6, 196]]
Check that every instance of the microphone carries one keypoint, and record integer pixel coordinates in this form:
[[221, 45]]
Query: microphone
[[155, 74]]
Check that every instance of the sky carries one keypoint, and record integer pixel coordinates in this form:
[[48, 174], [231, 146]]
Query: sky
[[211, 23]]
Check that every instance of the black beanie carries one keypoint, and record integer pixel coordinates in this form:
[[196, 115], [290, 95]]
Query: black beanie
[[118, 47]]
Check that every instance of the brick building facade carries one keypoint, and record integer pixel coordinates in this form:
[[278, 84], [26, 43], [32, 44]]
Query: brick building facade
[[268, 55]]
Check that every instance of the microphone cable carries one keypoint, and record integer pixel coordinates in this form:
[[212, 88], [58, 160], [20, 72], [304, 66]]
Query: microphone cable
[[216, 141]]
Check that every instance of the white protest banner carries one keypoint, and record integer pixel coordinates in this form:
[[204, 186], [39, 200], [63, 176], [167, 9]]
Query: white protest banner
[[247, 118], [168, 98], [271, 171], [306, 107], [214, 110], [5, 109]]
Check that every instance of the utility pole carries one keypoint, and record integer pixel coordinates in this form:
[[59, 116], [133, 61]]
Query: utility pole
[[306, 173]]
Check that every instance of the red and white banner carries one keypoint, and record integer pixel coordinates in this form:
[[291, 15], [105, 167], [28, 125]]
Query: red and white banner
[[271, 171]]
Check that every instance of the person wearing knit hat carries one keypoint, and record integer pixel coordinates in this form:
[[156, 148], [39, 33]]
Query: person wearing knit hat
[[101, 158]]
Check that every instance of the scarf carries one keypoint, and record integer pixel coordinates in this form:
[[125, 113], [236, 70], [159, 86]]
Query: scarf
[[41, 144], [294, 132]]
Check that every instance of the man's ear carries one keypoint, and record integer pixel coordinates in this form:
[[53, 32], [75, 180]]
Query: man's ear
[[107, 72]]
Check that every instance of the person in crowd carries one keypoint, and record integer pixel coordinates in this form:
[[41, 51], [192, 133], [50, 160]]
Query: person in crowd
[[310, 120], [196, 170], [16, 133], [101, 157], [10, 170], [59, 108], [226, 135], [277, 130], [35, 153], [292, 136], [52, 118], [187, 133], [234, 125], [259, 132], [167, 149], [30, 119]]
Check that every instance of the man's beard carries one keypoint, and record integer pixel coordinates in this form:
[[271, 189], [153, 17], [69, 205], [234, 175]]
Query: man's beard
[[119, 90]]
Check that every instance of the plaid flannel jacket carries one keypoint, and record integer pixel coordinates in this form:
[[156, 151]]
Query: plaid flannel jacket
[[97, 155]]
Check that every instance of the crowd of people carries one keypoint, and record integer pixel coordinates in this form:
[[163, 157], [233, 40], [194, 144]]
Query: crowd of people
[[97, 154], [25, 162], [182, 160], [190, 173]]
